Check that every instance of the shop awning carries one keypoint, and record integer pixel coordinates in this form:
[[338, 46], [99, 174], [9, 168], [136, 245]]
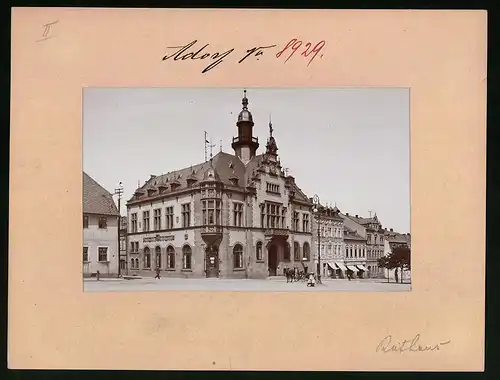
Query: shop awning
[[361, 267], [340, 266], [332, 265], [353, 268]]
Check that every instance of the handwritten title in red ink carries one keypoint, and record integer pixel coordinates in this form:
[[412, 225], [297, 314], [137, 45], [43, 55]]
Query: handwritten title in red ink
[[306, 50]]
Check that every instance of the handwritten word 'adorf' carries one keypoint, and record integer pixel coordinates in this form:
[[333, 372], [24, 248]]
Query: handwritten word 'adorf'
[[295, 44], [407, 345], [183, 54]]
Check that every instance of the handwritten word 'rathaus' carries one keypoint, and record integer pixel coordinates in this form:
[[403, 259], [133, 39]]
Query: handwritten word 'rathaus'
[[190, 52]]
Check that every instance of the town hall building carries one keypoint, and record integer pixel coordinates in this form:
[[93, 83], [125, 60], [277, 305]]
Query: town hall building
[[234, 216]]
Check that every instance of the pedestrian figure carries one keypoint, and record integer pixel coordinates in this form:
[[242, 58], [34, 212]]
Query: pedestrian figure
[[157, 272], [311, 281], [349, 275], [98, 275]]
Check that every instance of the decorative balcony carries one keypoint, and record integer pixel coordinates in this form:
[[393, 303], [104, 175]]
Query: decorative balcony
[[275, 232], [211, 234], [237, 139]]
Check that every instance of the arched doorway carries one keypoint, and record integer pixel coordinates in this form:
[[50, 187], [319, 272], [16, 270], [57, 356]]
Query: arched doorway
[[272, 260], [212, 261]]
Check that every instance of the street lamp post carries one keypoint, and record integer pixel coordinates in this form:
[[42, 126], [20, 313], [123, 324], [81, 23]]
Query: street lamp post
[[317, 212], [119, 192]]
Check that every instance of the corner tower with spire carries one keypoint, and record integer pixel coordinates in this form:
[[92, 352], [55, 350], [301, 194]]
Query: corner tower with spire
[[245, 145]]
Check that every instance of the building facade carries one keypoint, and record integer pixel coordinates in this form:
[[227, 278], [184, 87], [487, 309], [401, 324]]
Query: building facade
[[371, 230], [234, 216], [100, 230], [394, 239], [355, 253], [331, 241], [123, 244]]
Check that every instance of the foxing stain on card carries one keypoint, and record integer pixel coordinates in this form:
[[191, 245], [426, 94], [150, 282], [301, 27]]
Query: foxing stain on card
[[183, 52]]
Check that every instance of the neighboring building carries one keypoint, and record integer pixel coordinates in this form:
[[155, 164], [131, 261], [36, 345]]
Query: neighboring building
[[235, 216], [100, 230], [123, 244], [371, 230], [331, 226], [392, 240], [355, 253]]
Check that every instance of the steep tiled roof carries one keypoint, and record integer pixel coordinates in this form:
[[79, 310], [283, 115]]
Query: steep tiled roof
[[226, 167], [96, 199], [351, 234], [396, 237]]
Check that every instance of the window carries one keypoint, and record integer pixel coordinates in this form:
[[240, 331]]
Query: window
[[133, 222], [169, 214], [263, 216], [170, 257], [85, 221], [211, 212], [305, 222], [132, 246], [258, 253], [238, 256], [157, 219], [85, 254], [355, 251], [186, 215], [158, 257], [306, 251], [296, 251], [103, 254], [272, 215], [273, 188], [103, 222], [283, 217], [137, 263], [147, 258], [132, 263], [237, 214], [186, 257], [145, 221], [296, 221], [286, 253]]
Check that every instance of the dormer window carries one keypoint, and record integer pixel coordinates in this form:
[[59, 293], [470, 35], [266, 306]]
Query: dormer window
[[273, 188], [175, 185], [162, 188]]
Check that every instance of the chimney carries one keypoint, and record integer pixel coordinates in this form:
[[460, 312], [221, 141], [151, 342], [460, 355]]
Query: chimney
[[392, 230], [346, 214], [152, 176], [357, 216]]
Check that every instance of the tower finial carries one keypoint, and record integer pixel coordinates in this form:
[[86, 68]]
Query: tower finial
[[270, 127], [244, 101]]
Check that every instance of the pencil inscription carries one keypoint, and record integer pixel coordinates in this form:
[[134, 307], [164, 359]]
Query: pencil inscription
[[407, 345], [46, 31]]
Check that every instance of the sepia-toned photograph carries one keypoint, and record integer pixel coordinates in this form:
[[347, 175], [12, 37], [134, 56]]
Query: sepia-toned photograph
[[256, 189]]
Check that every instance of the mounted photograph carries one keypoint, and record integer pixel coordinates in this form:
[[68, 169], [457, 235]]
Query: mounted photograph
[[246, 189]]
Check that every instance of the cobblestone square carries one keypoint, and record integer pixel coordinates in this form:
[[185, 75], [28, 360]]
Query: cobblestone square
[[269, 285]]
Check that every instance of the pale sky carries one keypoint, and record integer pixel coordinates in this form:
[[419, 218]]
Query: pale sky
[[350, 146]]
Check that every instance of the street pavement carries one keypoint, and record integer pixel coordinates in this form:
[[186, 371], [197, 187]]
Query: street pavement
[[277, 284]]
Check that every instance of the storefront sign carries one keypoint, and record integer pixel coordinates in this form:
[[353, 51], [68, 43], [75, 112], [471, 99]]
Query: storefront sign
[[157, 238]]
